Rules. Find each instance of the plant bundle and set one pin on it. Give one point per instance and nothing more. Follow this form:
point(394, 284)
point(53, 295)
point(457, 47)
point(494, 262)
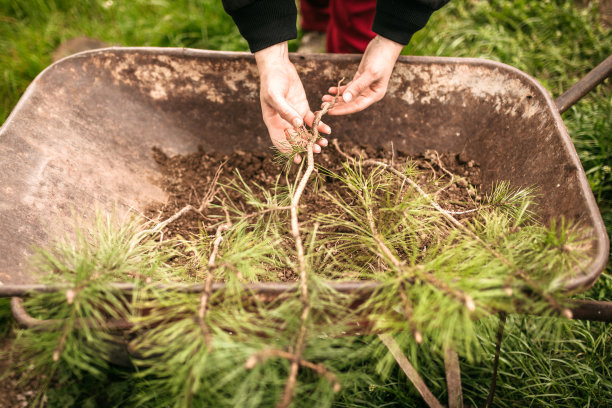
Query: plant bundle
point(431, 273)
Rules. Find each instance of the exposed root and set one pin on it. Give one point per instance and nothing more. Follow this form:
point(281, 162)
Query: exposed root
point(208, 198)
point(210, 194)
point(208, 284)
point(296, 354)
point(433, 153)
point(157, 228)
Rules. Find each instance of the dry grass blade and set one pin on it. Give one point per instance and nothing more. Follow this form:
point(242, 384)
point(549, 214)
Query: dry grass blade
point(409, 370)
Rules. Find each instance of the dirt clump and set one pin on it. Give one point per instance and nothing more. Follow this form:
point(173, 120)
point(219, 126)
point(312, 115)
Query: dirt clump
point(454, 179)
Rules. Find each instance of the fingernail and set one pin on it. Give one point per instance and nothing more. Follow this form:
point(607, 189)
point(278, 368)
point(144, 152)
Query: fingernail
point(347, 96)
point(323, 142)
point(326, 129)
point(316, 149)
point(297, 122)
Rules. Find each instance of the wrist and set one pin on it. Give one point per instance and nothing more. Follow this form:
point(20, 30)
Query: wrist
point(390, 47)
point(273, 55)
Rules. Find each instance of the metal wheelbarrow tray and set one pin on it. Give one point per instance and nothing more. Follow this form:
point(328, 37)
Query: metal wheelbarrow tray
point(81, 136)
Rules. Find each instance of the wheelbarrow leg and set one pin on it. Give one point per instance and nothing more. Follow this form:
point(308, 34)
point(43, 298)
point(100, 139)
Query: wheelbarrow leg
point(593, 310)
point(453, 378)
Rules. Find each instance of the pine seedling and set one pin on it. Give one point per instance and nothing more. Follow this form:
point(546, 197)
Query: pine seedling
point(439, 272)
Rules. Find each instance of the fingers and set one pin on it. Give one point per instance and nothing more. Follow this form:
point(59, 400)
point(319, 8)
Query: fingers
point(297, 159)
point(334, 89)
point(358, 104)
point(356, 96)
point(323, 128)
point(284, 136)
point(355, 88)
point(285, 110)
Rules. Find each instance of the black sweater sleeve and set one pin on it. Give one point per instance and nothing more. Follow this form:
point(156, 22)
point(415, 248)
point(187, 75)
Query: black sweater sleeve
point(263, 22)
point(267, 22)
point(398, 20)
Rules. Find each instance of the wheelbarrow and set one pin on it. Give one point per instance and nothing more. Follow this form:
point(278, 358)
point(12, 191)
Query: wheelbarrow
point(80, 138)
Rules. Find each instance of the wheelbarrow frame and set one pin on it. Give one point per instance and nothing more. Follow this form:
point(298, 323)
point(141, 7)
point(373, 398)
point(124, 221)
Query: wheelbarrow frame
point(151, 77)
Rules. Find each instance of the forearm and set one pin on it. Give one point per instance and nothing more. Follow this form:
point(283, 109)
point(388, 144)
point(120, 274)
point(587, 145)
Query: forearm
point(263, 23)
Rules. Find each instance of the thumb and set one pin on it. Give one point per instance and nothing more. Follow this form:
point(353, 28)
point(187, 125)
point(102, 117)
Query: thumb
point(286, 111)
point(355, 88)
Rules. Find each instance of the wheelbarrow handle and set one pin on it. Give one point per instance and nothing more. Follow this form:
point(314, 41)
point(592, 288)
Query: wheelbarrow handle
point(584, 86)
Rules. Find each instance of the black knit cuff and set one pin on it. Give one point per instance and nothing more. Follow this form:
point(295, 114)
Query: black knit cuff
point(266, 22)
point(399, 20)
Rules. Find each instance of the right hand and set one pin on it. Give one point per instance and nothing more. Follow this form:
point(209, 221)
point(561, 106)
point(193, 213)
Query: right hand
point(283, 100)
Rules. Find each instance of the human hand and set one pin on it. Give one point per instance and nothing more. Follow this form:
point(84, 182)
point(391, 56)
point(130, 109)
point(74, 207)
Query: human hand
point(370, 82)
point(283, 100)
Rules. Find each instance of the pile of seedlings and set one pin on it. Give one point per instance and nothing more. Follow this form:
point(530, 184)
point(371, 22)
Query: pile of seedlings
point(372, 247)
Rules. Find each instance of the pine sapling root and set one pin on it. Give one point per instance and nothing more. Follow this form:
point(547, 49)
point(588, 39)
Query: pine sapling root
point(208, 198)
point(295, 356)
point(210, 194)
point(302, 267)
point(208, 284)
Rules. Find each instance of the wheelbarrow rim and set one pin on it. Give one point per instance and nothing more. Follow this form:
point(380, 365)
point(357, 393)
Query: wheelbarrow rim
point(578, 283)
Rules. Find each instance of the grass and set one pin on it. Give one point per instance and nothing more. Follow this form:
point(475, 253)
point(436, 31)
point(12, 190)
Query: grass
point(554, 41)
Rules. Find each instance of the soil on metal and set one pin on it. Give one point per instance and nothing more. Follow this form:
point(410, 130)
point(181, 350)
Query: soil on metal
point(187, 179)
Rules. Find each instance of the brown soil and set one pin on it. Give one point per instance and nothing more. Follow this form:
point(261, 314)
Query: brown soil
point(13, 391)
point(187, 179)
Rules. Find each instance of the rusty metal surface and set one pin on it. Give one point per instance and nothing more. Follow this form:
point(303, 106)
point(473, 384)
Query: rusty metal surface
point(361, 288)
point(23, 318)
point(81, 136)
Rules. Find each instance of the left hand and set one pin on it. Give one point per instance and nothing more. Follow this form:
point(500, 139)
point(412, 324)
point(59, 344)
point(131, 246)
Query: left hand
point(370, 83)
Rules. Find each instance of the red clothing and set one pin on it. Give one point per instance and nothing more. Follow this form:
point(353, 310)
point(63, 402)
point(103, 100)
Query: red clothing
point(314, 15)
point(264, 23)
point(348, 24)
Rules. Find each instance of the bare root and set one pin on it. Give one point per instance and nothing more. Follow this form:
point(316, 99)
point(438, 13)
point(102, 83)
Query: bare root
point(208, 284)
point(296, 353)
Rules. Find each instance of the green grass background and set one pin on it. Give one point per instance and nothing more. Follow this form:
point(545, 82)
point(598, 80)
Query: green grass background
point(557, 42)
